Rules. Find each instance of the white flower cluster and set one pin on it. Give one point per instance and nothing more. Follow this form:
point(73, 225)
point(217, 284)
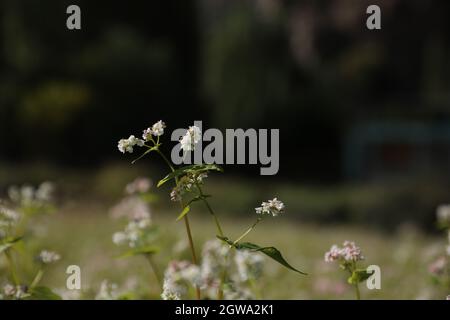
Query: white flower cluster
point(126, 145)
point(217, 260)
point(134, 234)
point(8, 219)
point(156, 130)
point(14, 292)
point(191, 138)
point(139, 185)
point(272, 207)
point(178, 277)
point(47, 257)
point(23, 200)
point(28, 195)
point(185, 184)
point(132, 205)
point(249, 265)
point(349, 252)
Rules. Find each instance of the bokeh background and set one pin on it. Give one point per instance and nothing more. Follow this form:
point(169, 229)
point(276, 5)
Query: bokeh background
point(364, 119)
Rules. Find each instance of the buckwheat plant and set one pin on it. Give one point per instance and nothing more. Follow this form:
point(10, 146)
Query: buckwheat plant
point(140, 234)
point(16, 212)
point(348, 257)
point(188, 186)
point(236, 273)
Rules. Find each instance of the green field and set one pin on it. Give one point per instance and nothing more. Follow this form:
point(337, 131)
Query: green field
point(82, 234)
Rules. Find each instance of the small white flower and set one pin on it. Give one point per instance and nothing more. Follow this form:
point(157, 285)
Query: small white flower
point(334, 254)
point(178, 276)
point(126, 145)
point(171, 291)
point(27, 194)
point(191, 138)
point(9, 290)
point(14, 292)
point(14, 193)
point(144, 223)
point(351, 252)
point(139, 185)
point(44, 192)
point(272, 207)
point(47, 257)
point(443, 214)
point(175, 194)
point(8, 215)
point(191, 274)
point(119, 238)
point(249, 264)
point(132, 207)
point(156, 130)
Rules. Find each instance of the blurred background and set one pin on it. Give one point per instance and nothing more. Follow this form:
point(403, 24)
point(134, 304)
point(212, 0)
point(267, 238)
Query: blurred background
point(364, 116)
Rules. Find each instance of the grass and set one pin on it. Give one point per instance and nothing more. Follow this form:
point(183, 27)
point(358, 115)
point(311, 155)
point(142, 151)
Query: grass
point(82, 234)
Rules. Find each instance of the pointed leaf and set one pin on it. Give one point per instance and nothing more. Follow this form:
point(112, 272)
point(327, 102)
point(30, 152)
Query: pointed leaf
point(184, 212)
point(187, 208)
point(271, 252)
point(275, 254)
point(358, 276)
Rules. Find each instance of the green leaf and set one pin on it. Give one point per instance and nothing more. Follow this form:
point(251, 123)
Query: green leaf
point(359, 275)
point(271, 252)
point(137, 251)
point(195, 168)
point(276, 255)
point(187, 208)
point(42, 293)
point(8, 243)
point(184, 212)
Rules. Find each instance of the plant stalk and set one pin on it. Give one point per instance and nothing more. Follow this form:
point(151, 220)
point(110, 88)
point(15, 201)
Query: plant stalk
point(186, 223)
point(155, 269)
point(247, 232)
point(12, 269)
point(37, 279)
